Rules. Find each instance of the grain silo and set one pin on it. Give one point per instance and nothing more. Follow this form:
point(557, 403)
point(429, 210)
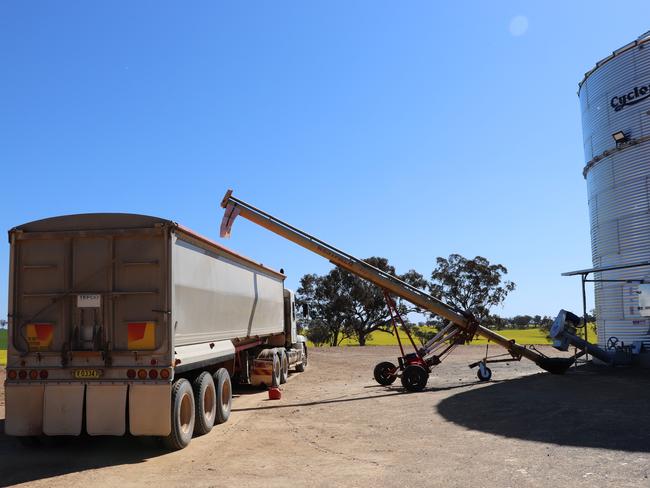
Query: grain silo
point(615, 104)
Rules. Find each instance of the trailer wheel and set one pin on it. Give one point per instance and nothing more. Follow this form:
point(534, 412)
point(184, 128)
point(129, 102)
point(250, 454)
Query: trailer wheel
point(206, 403)
point(224, 395)
point(300, 367)
point(183, 416)
point(275, 374)
point(414, 377)
point(284, 366)
point(484, 373)
point(384, 373)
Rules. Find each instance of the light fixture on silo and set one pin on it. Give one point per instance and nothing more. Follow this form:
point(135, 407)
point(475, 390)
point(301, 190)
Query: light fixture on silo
point(620, 137)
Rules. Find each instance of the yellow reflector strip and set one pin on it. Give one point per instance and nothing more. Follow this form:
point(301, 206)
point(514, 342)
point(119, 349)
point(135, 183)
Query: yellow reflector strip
point(39, 336)
point(142, 336)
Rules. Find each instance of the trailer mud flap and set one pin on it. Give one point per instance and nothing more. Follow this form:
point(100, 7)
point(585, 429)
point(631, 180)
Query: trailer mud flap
point(24, 410)
point(63, 409)
point(106, 409)
point(150, 409)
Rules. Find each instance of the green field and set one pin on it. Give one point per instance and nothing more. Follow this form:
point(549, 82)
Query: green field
point(3, 347)
point(522, 336)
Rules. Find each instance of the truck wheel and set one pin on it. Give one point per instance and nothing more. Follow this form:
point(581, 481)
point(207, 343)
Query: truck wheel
point(206, 403)
point(414, 377)
point(275, 375)
point(183, 415)
point(384, 373)
point(284, 366)
point(300, 367)
point(224, 395)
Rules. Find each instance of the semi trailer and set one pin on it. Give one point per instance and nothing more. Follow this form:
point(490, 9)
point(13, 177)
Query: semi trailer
point(123, 322)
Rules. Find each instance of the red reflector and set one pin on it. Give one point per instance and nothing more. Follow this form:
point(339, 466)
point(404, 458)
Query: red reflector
point(164, 374)
point(43, 374)
point(23, 374)
point(153, 374)
point(154, 361)
point(11, 374)
point(130, 374)
point(142, 374)
point(33, 374)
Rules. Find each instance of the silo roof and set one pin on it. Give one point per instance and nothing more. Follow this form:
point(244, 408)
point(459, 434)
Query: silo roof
point(642, 39)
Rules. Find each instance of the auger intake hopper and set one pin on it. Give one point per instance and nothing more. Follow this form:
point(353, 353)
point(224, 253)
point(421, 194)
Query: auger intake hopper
point(555, 365)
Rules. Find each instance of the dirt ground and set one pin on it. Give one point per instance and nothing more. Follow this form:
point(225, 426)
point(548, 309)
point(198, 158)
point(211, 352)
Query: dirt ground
point(334, 426)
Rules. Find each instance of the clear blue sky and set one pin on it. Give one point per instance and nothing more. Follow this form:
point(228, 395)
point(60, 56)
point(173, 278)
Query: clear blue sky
point(403, 129)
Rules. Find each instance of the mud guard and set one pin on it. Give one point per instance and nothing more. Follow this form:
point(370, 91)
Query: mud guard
point(63, 409)
point(106, 409)
point(150, 409)
point(24, 410)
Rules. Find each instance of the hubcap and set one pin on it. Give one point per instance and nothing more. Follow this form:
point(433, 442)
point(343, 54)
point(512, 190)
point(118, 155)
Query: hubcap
point(225, 395)
point(208, 403)
point(186, 413)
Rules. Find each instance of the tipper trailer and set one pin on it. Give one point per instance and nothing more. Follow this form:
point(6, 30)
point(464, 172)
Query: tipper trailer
point(129, 322)
point(414, 368)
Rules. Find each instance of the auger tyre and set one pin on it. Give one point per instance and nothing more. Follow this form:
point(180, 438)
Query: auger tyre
point(384, 373)
point(414, 378)
point(484, 373)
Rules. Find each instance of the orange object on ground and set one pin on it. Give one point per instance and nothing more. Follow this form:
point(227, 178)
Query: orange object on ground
point(275, 393)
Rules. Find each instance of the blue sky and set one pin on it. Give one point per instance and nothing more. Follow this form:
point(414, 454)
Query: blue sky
point(402, 129)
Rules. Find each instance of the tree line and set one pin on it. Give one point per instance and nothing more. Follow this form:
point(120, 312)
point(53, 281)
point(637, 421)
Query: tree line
point(340, 305)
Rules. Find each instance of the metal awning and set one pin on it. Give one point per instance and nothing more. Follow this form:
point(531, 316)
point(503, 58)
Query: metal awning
point(605, 268)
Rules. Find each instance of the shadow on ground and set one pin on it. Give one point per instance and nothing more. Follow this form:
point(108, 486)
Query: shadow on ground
point(61, 455)
point(47, 457)
point(386, 391)
point(589, 407)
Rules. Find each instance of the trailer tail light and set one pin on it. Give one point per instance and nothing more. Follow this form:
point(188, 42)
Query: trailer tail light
point(153, 374)
point(130, 374)
point(33, 374)
point(153, 361)
point(22, 374)
point(11, 374)
point(164, 374)
point(44, 374)
point(142, 374)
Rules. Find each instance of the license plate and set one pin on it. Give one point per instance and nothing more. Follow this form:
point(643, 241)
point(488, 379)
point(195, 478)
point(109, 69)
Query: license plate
point(87, 374)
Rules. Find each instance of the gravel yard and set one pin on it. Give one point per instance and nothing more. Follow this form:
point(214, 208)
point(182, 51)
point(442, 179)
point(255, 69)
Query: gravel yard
point(334, 426)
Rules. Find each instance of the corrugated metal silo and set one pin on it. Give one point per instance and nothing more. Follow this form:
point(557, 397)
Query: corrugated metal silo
point(615, 98)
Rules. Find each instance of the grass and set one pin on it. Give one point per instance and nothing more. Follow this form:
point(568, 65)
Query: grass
point(523, 336)
point(3, 347)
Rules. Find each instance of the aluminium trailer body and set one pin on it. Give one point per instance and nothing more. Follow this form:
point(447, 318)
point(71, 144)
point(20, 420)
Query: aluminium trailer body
point(109, 312)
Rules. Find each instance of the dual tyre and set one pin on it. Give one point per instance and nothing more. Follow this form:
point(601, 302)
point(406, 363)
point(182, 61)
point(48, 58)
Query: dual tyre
point(196, 407)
